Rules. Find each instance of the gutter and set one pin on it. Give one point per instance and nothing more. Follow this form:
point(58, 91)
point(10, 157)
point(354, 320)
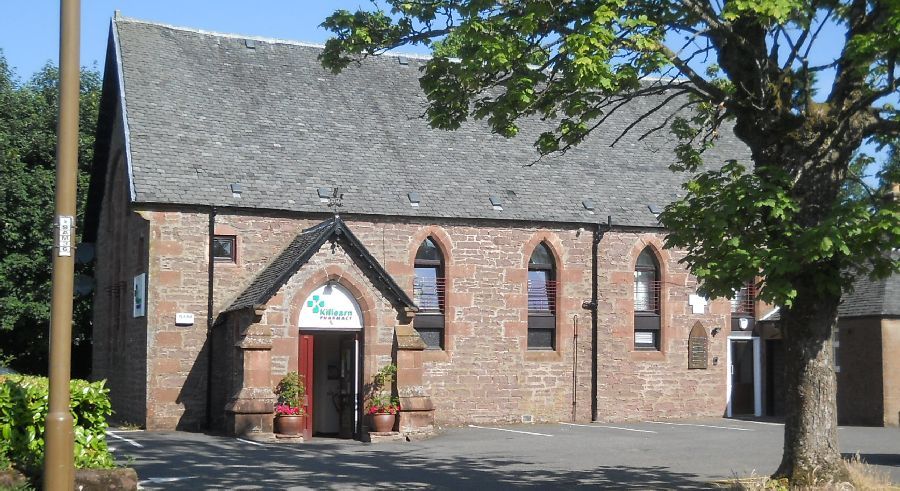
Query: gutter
point(599, 231)
point(210, 290)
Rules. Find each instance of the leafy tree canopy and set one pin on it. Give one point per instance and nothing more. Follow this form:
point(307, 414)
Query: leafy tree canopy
point(28, 120)
point(750, 64)
point(796, 213)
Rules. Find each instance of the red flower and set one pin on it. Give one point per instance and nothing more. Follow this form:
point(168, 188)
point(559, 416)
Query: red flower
point(285, 410)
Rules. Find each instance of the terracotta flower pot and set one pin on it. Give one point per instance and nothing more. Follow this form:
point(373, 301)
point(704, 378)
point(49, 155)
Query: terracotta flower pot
point(383, 422)
point(289, 424)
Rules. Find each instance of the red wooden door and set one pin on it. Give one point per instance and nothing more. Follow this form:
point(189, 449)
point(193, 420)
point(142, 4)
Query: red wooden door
point(305, 363)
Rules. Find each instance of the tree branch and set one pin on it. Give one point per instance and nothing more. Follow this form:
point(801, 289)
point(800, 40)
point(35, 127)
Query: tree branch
point(710, 90)
point(882, 127)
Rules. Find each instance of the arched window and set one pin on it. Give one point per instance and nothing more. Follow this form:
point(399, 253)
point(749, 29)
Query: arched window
point(429, 293)
point(647, 286)
point(743, 308)
point(542, 287)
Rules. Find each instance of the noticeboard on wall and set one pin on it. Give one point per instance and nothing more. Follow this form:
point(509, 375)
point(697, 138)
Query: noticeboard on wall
point(698, 347)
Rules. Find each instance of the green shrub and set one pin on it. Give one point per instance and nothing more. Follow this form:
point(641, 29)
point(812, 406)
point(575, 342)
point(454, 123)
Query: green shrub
point(23, 410)
point(291, 390)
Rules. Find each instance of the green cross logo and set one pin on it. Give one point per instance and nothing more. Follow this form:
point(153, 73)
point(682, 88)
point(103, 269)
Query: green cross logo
point(315, 303)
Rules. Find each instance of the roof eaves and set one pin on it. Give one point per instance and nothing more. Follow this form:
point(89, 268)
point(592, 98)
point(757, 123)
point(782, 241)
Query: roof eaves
point(310, 250)
point(342, 230)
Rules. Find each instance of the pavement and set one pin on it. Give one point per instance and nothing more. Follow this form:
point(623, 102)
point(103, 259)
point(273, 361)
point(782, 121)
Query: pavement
point(645, 455)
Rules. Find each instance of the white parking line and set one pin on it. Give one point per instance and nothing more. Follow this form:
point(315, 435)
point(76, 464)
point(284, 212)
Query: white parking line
point(250, 442)
point(758, 422)
point(698, 425)
point(126, 440)
point(511, 431)
point(160, 480)
point(609, 427)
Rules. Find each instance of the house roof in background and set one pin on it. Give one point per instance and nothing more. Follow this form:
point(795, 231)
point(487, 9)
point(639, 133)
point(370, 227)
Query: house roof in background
point(873, 297)
point(869, 298)
point(207, 110)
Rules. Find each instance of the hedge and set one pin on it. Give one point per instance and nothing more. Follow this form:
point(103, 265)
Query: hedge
point(24, 404)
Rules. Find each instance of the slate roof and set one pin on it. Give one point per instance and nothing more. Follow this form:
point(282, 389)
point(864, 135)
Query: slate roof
point(267, 283)
point(206, 110)
point(873, 297)
point(869, 298)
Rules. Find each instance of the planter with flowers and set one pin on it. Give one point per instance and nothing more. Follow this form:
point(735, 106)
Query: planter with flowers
point(290, 418)
point(381, 407)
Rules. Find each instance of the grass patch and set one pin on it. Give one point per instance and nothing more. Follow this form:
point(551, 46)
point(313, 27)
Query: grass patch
point(862, 477)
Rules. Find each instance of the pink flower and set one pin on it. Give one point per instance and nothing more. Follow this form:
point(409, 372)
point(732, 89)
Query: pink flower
point(285, 410)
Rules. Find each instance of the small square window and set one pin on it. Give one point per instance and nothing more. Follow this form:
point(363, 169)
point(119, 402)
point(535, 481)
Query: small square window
point(224, 247)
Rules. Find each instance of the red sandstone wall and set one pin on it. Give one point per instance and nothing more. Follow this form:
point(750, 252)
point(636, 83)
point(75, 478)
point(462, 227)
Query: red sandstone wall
point(890, 335)
point(486, 373)
point(119, 339)
point(860, 390)
point(641, 385)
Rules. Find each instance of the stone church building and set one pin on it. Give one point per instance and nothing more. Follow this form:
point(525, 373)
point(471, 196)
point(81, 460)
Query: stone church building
point(255, 214)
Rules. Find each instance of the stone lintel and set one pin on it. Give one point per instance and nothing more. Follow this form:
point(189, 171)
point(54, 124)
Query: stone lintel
point(255, 343)
point(259, 310)
point(256, 337)
point(408, 338)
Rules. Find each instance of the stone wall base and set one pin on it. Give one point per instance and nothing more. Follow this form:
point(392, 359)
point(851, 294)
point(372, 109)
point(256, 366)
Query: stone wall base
point(417, 417)
point(250, 412)
point(248, 425)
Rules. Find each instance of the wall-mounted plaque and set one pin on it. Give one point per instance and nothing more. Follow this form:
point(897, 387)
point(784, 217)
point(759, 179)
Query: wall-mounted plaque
point(698, 347)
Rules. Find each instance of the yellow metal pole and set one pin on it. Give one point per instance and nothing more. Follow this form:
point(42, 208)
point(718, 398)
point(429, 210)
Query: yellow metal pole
point(59, 437)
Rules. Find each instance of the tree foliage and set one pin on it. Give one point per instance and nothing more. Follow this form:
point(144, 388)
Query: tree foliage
point(28, 121)
point(756, 74)
point(797, 213)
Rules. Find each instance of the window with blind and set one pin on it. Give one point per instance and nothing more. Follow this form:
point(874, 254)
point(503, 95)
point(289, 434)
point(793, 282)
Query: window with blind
point(647, 288)
point(542, 289)
point(429, 294)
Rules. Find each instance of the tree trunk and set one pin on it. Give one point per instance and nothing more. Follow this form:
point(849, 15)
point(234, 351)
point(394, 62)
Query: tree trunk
point(811, 453)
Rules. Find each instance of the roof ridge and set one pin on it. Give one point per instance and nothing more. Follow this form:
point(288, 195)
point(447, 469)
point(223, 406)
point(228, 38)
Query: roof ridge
point(264, 39)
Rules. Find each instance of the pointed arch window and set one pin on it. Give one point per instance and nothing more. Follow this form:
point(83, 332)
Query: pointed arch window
point(542, 288)
point(429, 293)
point(647, 288)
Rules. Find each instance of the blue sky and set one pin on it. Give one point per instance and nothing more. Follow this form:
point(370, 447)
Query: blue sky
point(29, 30)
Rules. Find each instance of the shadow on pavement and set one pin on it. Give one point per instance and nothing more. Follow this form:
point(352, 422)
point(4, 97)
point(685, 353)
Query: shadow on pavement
point(885, 459)
point(216, 462)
